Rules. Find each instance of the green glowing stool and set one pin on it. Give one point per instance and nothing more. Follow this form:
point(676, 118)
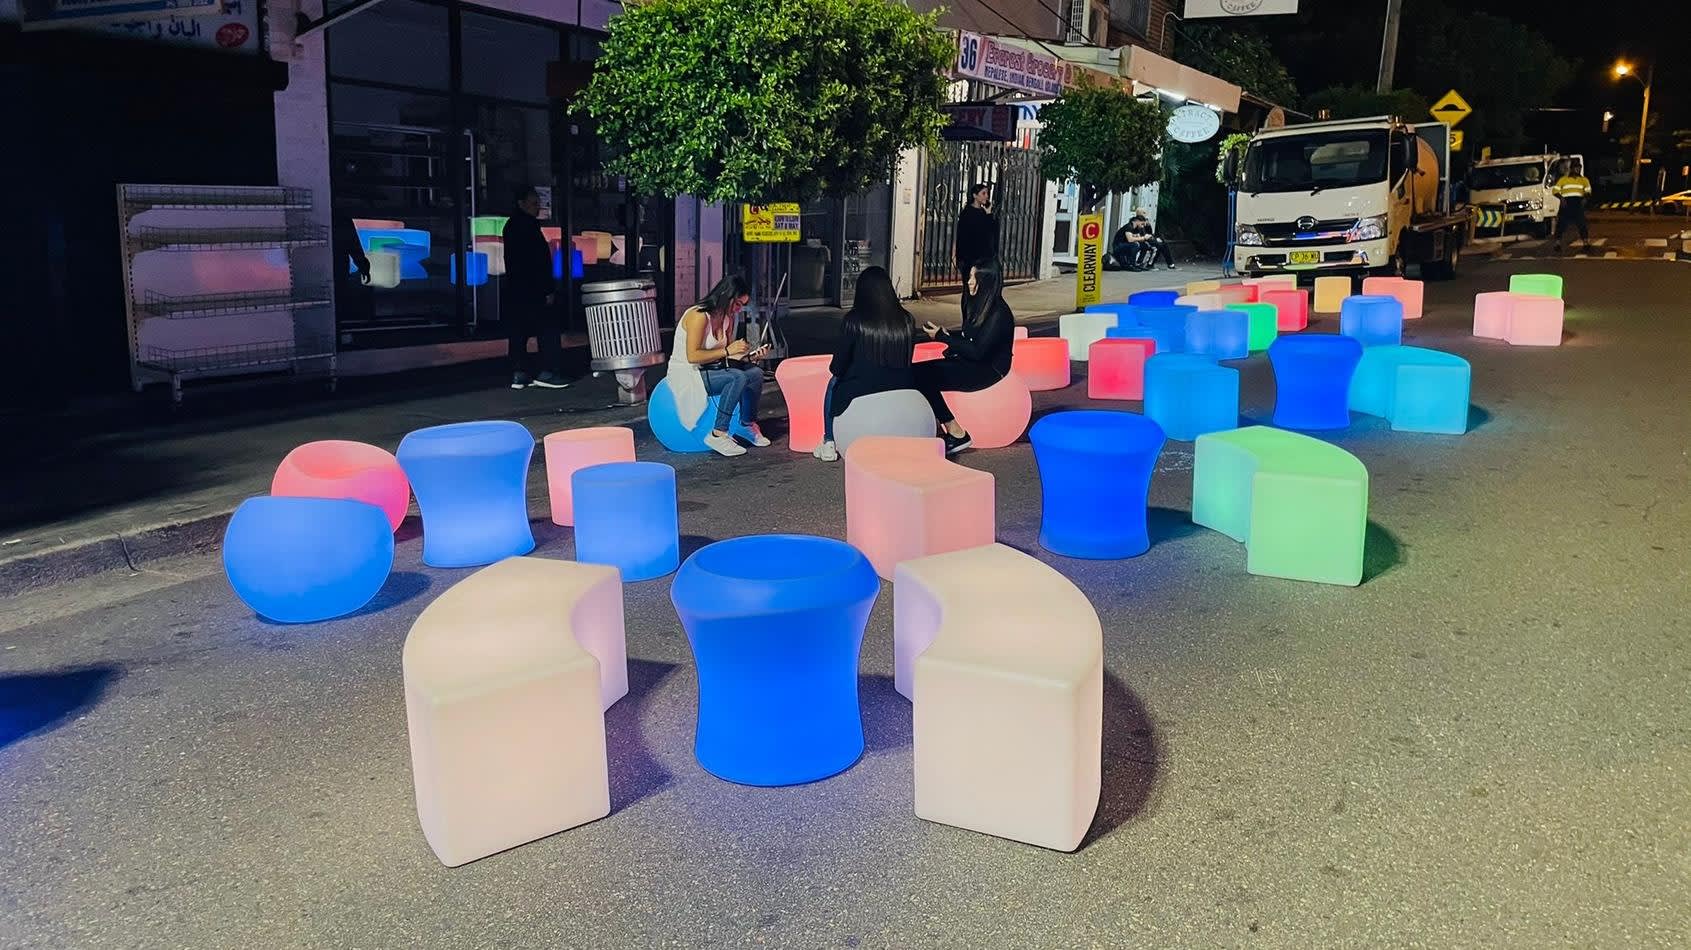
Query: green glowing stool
point(1265, 323)
point(1538, 285)
point(487, 226)
point(1300, 505)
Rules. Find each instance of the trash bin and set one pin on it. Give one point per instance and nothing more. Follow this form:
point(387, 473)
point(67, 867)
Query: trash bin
point(622, 333)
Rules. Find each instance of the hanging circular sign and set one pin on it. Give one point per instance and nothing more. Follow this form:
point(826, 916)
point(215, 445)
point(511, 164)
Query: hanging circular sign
point(1193, 123)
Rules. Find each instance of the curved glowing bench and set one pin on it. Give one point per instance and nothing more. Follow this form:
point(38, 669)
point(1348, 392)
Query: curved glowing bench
point(471, 483)
point(1373, 319)
point(1536, 285)
point(995, 416)
point(804, 385)
point(1094, 478)
point(627, 517)
point(507, 676)
point(1041, 362)
point(1300, 505)
point(1291, 307)
point(1263, 321)
point(675, 435)
point(1331, 293)
point(904, 500)
point(1219, 334)
point(572, 450)
point(336, 468)
point(1116, 369)
point(1081, 330)
point(775, 623)
point(1003, 660)
point(1154, 298)
point(1312, 380)
point(1189, 395)
point(1408, 292)
point(301, 560)
point(896, 412)
point(1418, 389)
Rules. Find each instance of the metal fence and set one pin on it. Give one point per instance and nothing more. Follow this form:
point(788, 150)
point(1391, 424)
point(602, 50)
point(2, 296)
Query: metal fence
point(1018, 201)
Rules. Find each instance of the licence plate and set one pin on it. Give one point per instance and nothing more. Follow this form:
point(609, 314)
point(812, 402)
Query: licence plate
point(1304, 257)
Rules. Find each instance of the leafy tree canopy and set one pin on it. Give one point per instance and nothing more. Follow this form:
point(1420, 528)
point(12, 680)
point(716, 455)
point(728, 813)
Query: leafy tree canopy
point(765, 100)
point(1239, 55)
point(1501, 67)
point(1359, 102)
point(1103, 138)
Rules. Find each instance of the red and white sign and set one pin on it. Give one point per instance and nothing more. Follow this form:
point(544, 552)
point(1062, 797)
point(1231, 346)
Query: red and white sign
point(993, 61)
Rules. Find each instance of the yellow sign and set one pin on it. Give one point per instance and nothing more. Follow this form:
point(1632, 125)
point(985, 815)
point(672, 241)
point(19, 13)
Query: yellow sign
point(770, 224)
point(1452, 109)
point(1456, 139)
point(1089, 273)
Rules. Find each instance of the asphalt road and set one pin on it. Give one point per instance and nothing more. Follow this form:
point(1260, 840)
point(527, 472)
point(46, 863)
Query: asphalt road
point(1487, 744)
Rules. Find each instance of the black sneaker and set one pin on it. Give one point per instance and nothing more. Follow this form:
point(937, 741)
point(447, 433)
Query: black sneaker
point(551, 380)
point(956, 443)
point(520, 381)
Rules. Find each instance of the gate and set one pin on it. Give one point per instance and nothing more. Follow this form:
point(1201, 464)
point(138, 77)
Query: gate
point(1018, 202)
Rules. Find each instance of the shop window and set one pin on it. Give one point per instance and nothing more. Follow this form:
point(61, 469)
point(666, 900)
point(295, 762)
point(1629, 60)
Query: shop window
point(398, 42)
point(507, 59)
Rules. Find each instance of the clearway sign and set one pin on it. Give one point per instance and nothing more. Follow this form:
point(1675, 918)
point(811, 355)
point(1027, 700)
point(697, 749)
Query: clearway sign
point(1196, 9)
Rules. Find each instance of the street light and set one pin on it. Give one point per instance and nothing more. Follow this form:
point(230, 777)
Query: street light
point(1624, 69)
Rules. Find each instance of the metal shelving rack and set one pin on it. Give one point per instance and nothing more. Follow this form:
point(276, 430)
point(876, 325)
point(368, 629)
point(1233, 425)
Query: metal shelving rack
point(203, 328)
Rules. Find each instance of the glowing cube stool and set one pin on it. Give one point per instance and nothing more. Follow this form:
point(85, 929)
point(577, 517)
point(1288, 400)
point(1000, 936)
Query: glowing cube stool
point(804, 384)
point(676, 435)
point(1019, 333)
point(1154, 298)
point(1083, 329)
point(1236, 293)
point(626, 517)
point(1213, 301)
point(495, 250)
point(1534, 321)
point(385, 269)
point(507, 677)
point(1219, 334)
point(931, 350)
point(1273, 282)
point(477, 268)
point(1374, 320)
point(1189, 395)
point(1300, 505)
point(896, 412)
point(572, 450)
point(1041, 362)
point(1202, 287)
point(1094, 478)
point(471, 483)
point(1537, 285)
point(1166, 325)
point(776, 623)
point(413, 245)
point(301, 560)
point(995, 416)
point(1264, 322)
point(1291, 307)
point(1312, 380)
point(1003, 661)
point(1408, 292)
point(335, 468)
point(1491, 313)
point(905, 500)
point(1331, 292)
point(1117, 368)
point(1418, 389)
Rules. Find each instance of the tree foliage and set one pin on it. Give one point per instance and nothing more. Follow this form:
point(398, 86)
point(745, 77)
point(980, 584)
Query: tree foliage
point(1359, 102)
point(1239, 55)
point(1103, 138)
point(1233, 146)
point(763, 100)
point(1503, 69)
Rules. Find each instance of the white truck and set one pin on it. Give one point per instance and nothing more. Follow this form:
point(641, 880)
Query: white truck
point(1369, 196)
point(1516, 194)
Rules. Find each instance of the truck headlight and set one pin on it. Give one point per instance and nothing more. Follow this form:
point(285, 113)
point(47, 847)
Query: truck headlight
point(1367, 229)
point(1248, 235)
point(1535, 204)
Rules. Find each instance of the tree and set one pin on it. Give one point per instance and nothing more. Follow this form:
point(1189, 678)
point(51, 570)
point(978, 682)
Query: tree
point(764, 100)
point(1502, 68)
point(1358, 102)
point(1240, 56)
point(1101, 137)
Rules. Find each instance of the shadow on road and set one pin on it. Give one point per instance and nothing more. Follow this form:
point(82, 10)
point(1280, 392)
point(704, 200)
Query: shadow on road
point(635, 773)
point(886, 714)
point(1380, 552)
point(1477, 417)
point(1132, 760)
point(1168, 524)
point(32, 703)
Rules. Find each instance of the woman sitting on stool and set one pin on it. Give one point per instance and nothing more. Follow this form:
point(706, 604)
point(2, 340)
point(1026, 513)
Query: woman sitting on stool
point(872, 355)
point(977, 355)
point(708, 361)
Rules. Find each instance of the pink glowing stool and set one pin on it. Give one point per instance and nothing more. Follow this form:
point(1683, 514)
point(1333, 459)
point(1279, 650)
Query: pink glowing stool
point(338, 469)
point(804, 385)
point(1042, 362)
point(1534, 321)
point(572, 450)
point(905, 501)
point(1237, 293)
point(1117, 368)
point(1491, 313)
point(995, 416)
point(1291, 305)
point(1021, 333)
point(1408, 292)
point(931, 350)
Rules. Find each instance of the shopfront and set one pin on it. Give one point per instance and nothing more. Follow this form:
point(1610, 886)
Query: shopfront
point(838, 239)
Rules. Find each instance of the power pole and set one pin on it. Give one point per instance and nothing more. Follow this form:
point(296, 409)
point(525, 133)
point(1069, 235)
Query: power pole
point(1643, 129)
point(1388, 46)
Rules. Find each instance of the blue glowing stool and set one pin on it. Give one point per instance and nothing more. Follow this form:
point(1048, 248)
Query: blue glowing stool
point(1123, 312)
point(1154, 298)
point(625, 516)
point(413, 245)
point(1190, 395)
point(1219, 334)
point(1374, 319)
point(1094, 478)
point(1167, 325)
point(471, 483)
point(666, 423)
point(1312, 380)
point(299, 560)
point(478, 267)
point(776, 623)
point(1418, 389)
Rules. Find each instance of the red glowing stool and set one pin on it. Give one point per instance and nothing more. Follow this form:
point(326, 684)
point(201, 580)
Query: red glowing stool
point(572, 450)
point(1117, 368)
point(931, 350)
point(995, 416)
point(1042, 362)
point(1292, 305)
point(1237, 293)
point(804, 385)
point(336, 468)
point(1408, 292)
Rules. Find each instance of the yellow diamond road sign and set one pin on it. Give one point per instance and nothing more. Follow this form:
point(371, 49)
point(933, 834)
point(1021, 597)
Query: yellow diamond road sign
point(1452, 109)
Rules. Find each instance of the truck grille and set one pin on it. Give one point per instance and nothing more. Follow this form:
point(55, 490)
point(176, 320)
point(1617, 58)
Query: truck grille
point(1287, 234)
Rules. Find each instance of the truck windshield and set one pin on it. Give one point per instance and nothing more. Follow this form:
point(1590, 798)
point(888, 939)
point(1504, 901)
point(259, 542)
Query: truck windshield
point(1487, 177)
point(1317, 161)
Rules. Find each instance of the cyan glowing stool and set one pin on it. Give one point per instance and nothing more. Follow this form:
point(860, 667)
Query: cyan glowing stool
point(678, 436)
point(1219, 334)
point(1042, 362)
point(1189, 395)
point(1537, 285)
point(471, 483)
point(1417, 389)
point(1117, 368)
point(1082, 329)
point(776, 623)
point(1312, 380)
point(1373, 320)
point(335, 468)
point(300, 560)
point(1291, 304)
point(626, 517)
point(1300, 505)
point(1264, 321)
point(1154, 298)
point(1094, 477)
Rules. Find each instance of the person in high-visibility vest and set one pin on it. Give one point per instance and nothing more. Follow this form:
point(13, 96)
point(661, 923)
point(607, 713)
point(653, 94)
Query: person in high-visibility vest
point(1572, 188)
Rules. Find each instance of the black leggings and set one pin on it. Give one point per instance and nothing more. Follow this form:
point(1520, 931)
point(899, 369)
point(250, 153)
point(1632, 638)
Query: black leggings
point(936, 377)
point(1572, 215)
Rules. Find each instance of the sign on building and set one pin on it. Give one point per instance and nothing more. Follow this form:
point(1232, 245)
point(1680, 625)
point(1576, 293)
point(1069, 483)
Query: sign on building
point(991, 60)
point(42, 14)
point(1193, 123)
point(1089, 262)
point(1196, 9)
point(770, 224)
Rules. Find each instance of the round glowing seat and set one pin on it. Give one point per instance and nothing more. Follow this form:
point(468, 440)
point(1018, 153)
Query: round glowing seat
point(300, 560)
point(902, 412)
point(335, 468)
point(1312, 380)
point(572, 450)
point(626, 517)
point(995, 416)
point(1291, 305)
point(471, 482)
point(1374, 320)
point(1117, 368)
point(1095, 476)
point(804, 385)
point(1041, 362)
point(675, 434)
point(1219, 334)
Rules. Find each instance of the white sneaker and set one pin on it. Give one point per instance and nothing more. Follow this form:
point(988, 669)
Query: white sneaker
point(758, 438)
point(724, 445)
point(826, 452)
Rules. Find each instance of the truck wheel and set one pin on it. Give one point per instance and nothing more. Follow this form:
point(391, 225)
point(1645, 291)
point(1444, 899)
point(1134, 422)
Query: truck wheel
point(1444, 269)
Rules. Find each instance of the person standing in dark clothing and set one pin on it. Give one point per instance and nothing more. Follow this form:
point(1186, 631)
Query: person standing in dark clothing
point(977, 235)
point(352, 297)
point(977, 355)
point(531, 296)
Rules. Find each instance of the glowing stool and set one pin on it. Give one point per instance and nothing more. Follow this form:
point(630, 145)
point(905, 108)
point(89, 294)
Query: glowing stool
point(626, 517)
point(1189, 395)
point(1273, 282)
point(1264, 323)
point(1330, 293)
point(1117, 368)
point(1290, 306)
point(1536, 285)
point(476, 267)
point(1019, 333)
point(1202, 287)
point(775, 623)
point(471, 483)
point(897, 412)
point(495, 251)
point(1312, 380)
point(1300, 505)
point(1535, 321)
point(1417, 389)
point(1124, 312)
point(905, 500)
point(413, 245)
point(1166, 325)
point(1003, 661)
point(804, 385)
point(1214, 301)
point(572, 450)
point(385, 269)
point(1373, 320)
point(339, 469)
point(300, 560)
point(1095, 476)
point(995, 416)
point(1236, 293)
point(1219, 334)
point(507, 677)
point(1154, 298)
point(677, 436)
point(1041, 362)
point(1083, 329)
point(1408, 292)
point(930, 350)
point(1491, 313)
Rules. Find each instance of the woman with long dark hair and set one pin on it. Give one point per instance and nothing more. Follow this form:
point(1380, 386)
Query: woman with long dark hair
point(708, 361)
point(873, 352)
point(977, 355)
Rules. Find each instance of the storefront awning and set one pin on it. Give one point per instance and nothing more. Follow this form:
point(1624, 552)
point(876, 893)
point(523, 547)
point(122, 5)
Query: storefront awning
point(1043, 70)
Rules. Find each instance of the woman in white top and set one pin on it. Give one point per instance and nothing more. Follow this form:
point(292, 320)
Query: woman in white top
point(709, 362)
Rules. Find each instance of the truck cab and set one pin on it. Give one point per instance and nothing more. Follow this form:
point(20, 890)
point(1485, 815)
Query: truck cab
point(1516, 194)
